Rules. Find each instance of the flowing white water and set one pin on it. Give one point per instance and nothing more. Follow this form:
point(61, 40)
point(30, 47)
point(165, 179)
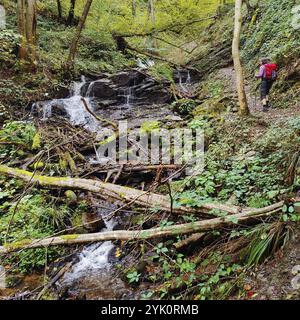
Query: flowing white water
point(185, 85)
point(73, 106)
point(93, 258)
point(145, 64)
point(128, 96)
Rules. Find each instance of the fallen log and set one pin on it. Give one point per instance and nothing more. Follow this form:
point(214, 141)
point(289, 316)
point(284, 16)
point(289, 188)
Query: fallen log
point(124, 235)
point(191, 239)
point(112, 192)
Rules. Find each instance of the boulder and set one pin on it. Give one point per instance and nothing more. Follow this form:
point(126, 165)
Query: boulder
point(127, 78)
point(92, 222)
point(101, 89)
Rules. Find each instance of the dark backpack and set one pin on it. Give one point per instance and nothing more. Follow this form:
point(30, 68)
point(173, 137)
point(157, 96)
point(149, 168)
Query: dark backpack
point(271, 71)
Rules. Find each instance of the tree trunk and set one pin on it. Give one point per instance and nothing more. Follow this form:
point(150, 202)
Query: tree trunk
point(59, 10)
point(31, 24)
point(133, 6)
point(74, 44)
point(22, 29)
point(112, 192)
point(153, 21)
point(70, 19)
point(244, 109)
point(181, 229)
point(27, 24)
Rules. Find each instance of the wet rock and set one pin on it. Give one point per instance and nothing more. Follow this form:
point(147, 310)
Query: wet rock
point(127, 78)
point(61, 92)
point(101, 89)
point(92, 222)
point(44, 109)
point(71, 197)
point(113, 90)
point(96, 75)
point(104, 104)
point(154, 95)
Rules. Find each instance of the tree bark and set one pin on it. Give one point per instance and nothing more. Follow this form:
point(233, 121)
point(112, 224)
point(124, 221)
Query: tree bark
point(22, 29)
point(244, 109)
point(27, 24)
point(59, 10)
point(31, 24)
point(133, 6)
point(70, 19)
point(74, 44)
point(112, 192)
point(153, 21)
point(181, 229)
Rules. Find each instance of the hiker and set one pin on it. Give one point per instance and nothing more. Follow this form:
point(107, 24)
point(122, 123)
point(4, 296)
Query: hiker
point(267, 74)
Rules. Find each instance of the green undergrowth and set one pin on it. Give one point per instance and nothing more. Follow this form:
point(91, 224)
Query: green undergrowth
point(30, 218)
point(240, 169)
point(273, 35)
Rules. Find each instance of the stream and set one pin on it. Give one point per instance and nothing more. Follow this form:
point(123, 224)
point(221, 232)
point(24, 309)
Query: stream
point(130, 95)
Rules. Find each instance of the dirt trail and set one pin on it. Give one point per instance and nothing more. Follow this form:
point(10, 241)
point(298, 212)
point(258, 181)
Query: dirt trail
point(273, 279)
point(278, 278)
point(274, 114)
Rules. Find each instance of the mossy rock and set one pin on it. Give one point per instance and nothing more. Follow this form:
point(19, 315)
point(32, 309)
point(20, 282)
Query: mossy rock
point(184, 106)
point(148, 126)
point(212, 107)
point(71, 197)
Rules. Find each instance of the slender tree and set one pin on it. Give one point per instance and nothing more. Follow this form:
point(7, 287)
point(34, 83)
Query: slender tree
point(31, 24)
point(74, 43)
point(244, 109)
point(70, 19)
point(151, 12)
point(133, 6)
point(21, 27)
point(27, 24)
point(59, 9)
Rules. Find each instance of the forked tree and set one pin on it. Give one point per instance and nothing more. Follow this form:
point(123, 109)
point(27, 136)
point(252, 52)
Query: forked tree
point(27, 24)
point(74, 43)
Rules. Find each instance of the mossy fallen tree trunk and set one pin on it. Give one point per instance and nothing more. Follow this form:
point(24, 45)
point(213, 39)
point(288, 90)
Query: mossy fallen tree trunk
point(255, 215)
point(113, 192)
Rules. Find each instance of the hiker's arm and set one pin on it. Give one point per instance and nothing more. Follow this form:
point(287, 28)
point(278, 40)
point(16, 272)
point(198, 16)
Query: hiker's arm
point(261, 72)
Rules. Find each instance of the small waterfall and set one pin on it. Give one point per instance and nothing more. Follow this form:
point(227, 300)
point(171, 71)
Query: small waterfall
point(145, 64)
point(76, 91)
point(128, 96)
point(93, 258)
point(189, 79)
point(89, 90)
point(185, 83)
point(72, 106)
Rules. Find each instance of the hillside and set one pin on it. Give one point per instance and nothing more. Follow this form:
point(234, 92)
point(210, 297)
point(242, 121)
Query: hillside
point(76, 223)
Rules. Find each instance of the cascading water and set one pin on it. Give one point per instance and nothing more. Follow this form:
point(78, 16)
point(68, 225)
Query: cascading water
point(93, 276)
point(185, 82)
point(72, 106)
point(93, 258)
point(128, 96)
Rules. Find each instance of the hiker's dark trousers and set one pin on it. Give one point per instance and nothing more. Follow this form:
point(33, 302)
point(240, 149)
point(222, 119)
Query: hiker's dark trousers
point(265, 88)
